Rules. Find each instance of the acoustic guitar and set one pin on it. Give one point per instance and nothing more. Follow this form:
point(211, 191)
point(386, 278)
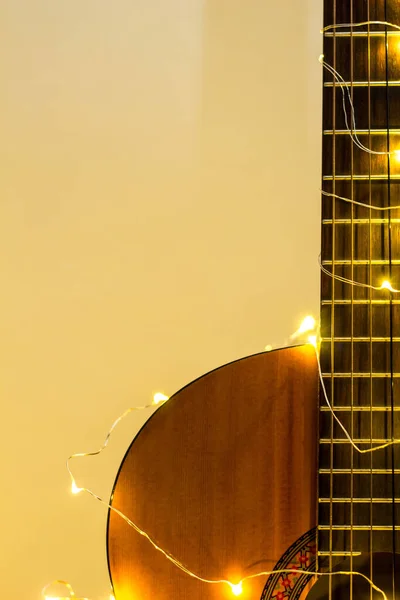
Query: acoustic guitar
point(247, 469)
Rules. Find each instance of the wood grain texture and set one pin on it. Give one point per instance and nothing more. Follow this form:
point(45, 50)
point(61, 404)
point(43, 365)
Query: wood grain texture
point(223, 476)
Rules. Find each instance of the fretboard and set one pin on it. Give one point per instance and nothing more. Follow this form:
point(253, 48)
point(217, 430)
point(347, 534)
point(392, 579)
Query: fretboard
point(359, 494)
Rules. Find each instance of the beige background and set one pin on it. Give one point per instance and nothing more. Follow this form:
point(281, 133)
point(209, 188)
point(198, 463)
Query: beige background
point(159, 217)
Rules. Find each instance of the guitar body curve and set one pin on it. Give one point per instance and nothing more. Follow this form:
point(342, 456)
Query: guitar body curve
point(223, 476)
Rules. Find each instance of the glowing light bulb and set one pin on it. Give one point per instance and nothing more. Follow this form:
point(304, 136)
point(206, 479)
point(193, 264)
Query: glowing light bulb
point(237, 588)
point(386, 285)
point(312, 339)
point(74, 488)
point(159, 397)
point(308, 324)
point(397, 155)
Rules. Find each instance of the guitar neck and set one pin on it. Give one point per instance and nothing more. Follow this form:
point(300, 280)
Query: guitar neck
point(359, 494)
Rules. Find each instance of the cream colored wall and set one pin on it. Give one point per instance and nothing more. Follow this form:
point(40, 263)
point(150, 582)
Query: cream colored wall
point(159, 217)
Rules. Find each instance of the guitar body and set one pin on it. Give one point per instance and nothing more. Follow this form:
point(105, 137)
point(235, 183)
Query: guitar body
point(223, 476)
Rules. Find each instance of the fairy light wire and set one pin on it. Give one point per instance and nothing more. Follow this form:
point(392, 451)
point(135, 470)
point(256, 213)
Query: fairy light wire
point(363, 204)
point(353, 129)
point(360, 24)
point(385, 285)
point(346, 91)
point(236, 588)
point(63, 583)
point(75, 489)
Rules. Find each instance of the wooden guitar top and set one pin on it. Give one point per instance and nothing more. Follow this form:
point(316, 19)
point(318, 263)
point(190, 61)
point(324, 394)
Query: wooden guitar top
point(223, 477)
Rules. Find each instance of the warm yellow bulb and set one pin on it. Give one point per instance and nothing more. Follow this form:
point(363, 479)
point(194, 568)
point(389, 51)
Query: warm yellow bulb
point(386, 285)
point(159, 397)
point(308, 324)
point(237, 588)
point(397, 155)
point(74, 488)
point(312, 339)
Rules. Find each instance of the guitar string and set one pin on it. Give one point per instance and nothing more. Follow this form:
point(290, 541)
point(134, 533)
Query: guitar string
point(371, 390)
point(351, 96)
point(332, 351)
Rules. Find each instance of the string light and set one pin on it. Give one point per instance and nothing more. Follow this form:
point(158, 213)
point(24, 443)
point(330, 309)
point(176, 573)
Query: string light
point(312, 339)
point(307, 324)
point(338, 421)
point(237, 589)
point(385, 285)
point(158, 398)
point(353, 129)
point(360, 24)
point(364, 205)
point(60, 582)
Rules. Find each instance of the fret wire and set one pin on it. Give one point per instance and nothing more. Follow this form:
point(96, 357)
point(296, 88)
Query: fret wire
point(361, 132)
point(346, 261)
point(359, 527)
point(356, 441)
point(358, 177)
point(360, 339)
point(361, 222)
point(358, 84)
point(376, 375)
point(357, 471)
point(361, 34)
point(358, 500)
point(374, 301)
point(360, 409)
point(336, 553)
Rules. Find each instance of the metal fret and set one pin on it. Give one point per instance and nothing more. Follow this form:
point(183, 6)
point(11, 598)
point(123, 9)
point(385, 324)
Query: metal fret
point(327, 553)
point(360, 34)
point(360, 339)
point(382, 177)
point(361, 375)
point(352, 84)
point(359, 221)
point(356, 441)
point(359, 500)
point(355, 471)
point(345, 261)
point(358, 301)
point(361, 132)
point(359, 527)
point(371, 409)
